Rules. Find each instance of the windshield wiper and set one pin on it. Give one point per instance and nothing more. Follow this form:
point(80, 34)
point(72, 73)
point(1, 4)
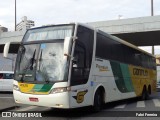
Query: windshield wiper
point(30, 66)
point(40, 60)
point(32, 60)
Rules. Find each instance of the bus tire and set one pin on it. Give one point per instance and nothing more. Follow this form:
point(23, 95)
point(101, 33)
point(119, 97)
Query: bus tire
point(149, 90)
point(97, 101)
point(145, 94)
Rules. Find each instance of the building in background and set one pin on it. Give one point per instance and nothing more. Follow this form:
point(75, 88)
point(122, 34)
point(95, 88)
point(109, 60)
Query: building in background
point(144, 31)
point(12, 36)
point(25, 24)
point(3, 29)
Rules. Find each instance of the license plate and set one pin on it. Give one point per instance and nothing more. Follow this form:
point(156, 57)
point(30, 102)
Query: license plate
point(33, 99)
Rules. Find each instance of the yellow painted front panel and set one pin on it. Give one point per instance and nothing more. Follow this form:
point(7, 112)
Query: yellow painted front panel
point(25, 87)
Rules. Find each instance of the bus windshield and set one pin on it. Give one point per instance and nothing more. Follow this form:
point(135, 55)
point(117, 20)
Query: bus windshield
point(42, 59)
point(40, 62)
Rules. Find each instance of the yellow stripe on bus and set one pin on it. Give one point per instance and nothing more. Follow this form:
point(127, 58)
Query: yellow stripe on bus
point(24, 87)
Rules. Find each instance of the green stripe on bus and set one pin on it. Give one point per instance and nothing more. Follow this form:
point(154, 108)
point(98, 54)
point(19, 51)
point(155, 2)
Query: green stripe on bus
point(127, 77)
point(42, 87)
point(37, 87)
point(122, 76)
point(46, 88)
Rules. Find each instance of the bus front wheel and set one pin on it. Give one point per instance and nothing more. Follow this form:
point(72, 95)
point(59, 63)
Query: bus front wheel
point(145, 94)
point(97, 101)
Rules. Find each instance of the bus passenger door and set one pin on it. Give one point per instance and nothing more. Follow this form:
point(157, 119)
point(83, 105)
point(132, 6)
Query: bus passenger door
point(80, 73)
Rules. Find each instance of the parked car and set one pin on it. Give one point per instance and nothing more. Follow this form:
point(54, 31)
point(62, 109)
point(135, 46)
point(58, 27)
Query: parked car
point(6, 80)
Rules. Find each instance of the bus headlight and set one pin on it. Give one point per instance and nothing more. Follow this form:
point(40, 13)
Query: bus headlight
point(60, 90)
point(15, 87)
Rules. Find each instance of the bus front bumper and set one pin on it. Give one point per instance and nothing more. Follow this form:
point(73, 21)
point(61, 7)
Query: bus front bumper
point(57, 100)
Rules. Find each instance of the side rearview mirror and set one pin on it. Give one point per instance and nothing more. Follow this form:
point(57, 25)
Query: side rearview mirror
point(6, 50)
point(10, 47)
point(67, 46)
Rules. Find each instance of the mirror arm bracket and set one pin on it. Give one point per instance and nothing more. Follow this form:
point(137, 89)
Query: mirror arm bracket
point(74, 38)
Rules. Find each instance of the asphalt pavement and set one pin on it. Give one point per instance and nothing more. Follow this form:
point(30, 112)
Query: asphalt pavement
point(119, 110)
point(6, 101)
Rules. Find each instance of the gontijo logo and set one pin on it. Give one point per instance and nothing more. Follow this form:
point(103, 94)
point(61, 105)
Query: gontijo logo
point(140, 72)
point(102, 68)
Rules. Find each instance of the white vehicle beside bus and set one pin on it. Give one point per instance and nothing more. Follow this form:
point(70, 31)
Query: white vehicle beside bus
point(74, 65)
point(6, 81)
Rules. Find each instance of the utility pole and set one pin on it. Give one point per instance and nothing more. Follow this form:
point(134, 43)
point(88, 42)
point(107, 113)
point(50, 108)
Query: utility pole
point(152, 14)
point(15, 15)
point(152, 8)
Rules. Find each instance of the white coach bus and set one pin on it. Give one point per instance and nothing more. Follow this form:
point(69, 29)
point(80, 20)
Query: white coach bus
point(73, 65)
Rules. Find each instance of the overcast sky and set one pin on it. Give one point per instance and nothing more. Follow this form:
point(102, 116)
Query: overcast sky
point(65, 11)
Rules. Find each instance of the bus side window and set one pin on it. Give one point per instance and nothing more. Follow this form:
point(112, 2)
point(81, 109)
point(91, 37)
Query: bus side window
point(79, 65)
